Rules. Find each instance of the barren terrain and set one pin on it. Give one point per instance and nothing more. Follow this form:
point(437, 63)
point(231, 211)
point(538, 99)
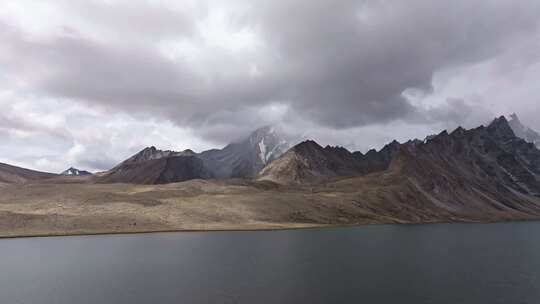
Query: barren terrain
point(67, 206)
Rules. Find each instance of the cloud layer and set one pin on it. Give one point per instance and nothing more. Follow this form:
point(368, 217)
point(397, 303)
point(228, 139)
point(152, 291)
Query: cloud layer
point(95, 80)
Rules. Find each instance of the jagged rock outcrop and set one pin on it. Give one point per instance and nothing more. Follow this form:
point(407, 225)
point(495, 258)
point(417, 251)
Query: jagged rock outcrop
point(374, 160)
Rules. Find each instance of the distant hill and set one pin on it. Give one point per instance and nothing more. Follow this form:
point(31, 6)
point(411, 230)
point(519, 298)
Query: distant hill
point(12, 174)
point(75, 172)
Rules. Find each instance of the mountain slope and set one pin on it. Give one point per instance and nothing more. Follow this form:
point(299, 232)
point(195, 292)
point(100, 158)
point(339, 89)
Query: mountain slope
point(374, 161)
point(153, 166)
point(482, 174)
point(12, 174)
point(246, 158)
point(487, 170)
point(308, 162)
point(487, 173)
point(152, 153)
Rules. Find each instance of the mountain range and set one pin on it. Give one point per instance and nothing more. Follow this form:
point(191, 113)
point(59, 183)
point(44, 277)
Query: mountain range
point(243, 159)
point(488, 173)
point(266, 155)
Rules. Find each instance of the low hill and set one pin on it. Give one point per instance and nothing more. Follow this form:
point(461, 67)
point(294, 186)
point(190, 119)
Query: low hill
point(13, 174)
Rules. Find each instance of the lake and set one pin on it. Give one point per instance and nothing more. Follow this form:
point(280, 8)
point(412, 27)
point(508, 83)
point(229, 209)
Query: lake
point(441, 263)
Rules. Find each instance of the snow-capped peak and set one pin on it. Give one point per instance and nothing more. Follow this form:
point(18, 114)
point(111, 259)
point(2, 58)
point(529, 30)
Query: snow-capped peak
point(269, 143)
point(75, 172)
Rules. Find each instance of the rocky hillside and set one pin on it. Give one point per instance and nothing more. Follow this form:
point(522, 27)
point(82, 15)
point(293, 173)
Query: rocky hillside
point(308, 162)
point(153, 166)
point(374, 161)
point(487, 171)
point(152, 153)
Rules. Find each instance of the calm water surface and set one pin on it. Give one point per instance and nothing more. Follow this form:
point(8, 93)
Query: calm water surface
point(447, 263)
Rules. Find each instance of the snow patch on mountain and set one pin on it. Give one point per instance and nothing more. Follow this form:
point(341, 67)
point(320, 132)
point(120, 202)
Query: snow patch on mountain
point(262, 151)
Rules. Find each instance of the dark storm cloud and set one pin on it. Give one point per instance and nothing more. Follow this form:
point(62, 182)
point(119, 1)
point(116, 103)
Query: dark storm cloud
point(352, 61)
point(133, 79)
point(458, 113)
point(338, 64)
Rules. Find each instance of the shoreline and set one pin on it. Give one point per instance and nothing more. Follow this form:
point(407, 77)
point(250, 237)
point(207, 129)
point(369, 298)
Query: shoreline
point(244, 229)
point(188, 230)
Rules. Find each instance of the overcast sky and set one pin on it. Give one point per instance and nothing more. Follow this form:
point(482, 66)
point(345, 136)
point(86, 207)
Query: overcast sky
point(88, 83)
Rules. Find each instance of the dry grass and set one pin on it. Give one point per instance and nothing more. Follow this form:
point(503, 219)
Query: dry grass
point(65, 208)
